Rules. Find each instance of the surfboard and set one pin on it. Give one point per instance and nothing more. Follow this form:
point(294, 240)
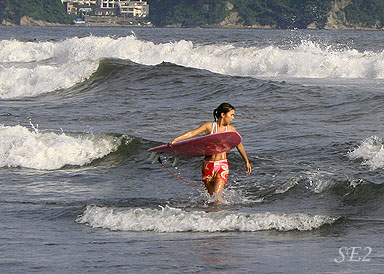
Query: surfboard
point(202, 146)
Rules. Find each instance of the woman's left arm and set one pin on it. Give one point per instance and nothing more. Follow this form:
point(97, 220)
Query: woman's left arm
point(243, 154)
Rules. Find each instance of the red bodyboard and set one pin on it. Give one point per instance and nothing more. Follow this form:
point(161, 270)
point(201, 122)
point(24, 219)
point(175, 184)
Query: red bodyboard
point(202, 146)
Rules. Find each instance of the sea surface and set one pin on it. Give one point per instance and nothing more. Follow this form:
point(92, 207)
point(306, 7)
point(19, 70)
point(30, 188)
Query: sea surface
point(81, 106)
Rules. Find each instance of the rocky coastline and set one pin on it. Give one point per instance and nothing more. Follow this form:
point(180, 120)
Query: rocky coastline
point(334, 22)
point(28, 21)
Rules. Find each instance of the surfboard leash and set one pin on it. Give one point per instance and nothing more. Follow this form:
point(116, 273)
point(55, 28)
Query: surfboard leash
point(170, 172)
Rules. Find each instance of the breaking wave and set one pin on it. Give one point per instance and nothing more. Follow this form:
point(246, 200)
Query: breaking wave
point(33, 68)
point(168, 219)
point(371, 151)
point(21, 147)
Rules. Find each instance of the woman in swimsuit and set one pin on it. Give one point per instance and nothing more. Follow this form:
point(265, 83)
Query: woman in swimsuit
point(215, 167)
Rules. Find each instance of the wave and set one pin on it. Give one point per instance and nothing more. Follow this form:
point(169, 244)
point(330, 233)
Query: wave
point(313, 181)
point(168, 219)
point(18, 82)
point(371, 151)
point(40, 67)
point(21, 147)
point(326, 184)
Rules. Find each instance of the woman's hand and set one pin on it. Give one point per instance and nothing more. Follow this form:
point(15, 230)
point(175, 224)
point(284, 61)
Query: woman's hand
point(171, 143)
point(249, 167)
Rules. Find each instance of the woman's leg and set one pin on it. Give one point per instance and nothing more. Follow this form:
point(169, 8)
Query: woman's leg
point(215, 179)
point(210, 186)
point(219, 186)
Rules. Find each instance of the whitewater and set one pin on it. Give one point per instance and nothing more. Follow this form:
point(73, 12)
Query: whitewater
point(28, 65)
point(21, 147)
point(80, 107)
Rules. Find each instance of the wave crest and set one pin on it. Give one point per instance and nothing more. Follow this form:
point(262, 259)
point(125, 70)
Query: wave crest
point(30, 62)
point(20, 147)
point(371, 150)
point(23, 82)
point(168, 219)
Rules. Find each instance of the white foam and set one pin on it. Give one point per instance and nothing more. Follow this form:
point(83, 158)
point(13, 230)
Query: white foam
point(16, 51)
point(75, 59)
point(229, 196)
point(319, 181)
point(168, 219)
point(20, 147)
point(22, 82)
point(371, 150)
point(289, 184)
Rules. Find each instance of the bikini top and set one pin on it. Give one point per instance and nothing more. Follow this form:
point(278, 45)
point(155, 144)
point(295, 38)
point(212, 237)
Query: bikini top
point(215, 127)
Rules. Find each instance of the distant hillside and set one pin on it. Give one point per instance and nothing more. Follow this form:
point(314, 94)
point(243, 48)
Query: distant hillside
point(269, 13)
point(365, 13)
point(283, 14)
point(12, 11)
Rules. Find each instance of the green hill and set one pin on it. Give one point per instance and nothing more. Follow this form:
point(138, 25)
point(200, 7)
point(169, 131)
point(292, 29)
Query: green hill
point(365, 13)
point(283, 14)
point(47, 10)
point(273, 13)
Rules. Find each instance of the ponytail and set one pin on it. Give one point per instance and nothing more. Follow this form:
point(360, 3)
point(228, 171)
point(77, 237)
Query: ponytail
point(215, 115)
point(223, 108)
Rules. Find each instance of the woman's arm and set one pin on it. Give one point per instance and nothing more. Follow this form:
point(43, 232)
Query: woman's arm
point(189, 134)
point(243, 154)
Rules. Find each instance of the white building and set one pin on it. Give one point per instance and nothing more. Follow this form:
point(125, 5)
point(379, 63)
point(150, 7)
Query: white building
point(126, 8)
point(71, 6)
point(81, 2)
point(133, 8)
point(108, 4)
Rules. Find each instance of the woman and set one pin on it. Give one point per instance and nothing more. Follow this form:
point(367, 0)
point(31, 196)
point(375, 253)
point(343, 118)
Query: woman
point(215, 167)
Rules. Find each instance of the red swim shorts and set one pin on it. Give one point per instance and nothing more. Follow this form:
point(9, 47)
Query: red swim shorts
point(215, 170)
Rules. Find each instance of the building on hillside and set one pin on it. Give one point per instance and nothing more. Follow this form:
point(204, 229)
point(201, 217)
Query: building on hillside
point(84, 9)
point(108, 4)
point(125, 8)
point(69, 7)
point(106, 11)
point(81, 2)
point(78, 6)
point(134, 8)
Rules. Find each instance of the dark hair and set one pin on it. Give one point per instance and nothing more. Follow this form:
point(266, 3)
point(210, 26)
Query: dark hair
point(223, 108)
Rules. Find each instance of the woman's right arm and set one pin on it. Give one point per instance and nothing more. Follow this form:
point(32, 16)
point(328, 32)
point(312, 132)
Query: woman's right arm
point(189, 134)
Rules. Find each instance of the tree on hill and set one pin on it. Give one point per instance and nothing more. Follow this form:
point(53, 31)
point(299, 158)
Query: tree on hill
point(283, 13)
point(46, 10)
point(187, 13)
point(365, 13)
point(278, 13)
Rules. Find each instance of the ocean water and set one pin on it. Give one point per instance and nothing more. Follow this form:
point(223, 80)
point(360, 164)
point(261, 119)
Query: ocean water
point(80, 107)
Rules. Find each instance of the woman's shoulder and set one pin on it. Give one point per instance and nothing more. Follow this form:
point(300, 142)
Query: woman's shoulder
point(208, 123)
point(207, 126)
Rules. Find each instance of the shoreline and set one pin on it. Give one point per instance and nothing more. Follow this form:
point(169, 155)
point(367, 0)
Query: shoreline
point(29, 22)
point(92, 25)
